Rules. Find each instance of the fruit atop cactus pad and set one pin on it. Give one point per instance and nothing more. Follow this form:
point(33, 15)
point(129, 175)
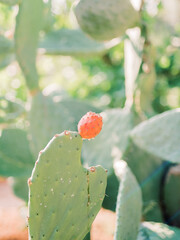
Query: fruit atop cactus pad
point(64, 197)
point(90, 125)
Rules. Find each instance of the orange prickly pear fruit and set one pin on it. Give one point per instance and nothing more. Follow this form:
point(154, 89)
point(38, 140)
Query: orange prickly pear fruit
point(90, 125)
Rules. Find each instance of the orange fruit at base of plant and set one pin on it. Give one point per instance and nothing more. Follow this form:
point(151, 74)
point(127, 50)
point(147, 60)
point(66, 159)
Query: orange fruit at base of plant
point(90, 125)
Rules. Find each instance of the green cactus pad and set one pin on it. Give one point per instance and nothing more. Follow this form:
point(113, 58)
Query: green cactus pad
point(6, 45)
point(112, 140)
point(15, 156)
point(10, 2)
point(64, 197)
point(28, 25)
point(158, 231)
point(50, 114)
point(6, 59)
point(20, 187)
point(129, 204)
point(73, 43)
point(172, 196)
point(160, 135)
point(104, 19)
point(148, 171)
point(10, 110)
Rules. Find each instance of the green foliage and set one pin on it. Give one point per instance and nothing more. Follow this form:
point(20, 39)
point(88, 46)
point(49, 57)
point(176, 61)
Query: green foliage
point(73, 42)
point(129, 204)
point(158, 231)
point(28, 25)
point(160, 136)
point(64, 196)
point(15, 156)
point(107, 20)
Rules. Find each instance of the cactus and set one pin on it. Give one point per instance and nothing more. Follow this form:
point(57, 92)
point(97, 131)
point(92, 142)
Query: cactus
point(15, 156)
point(73, 42)
point(27, 30)
point(164, 130)
point(172, 196)
point(64, 197)
point(20, 187)
point(117, 124)
point(158, 231)
point(104, 19)
point(10, 110)
point(148, 171)
point(50, 114)
point(111, 192)
point(129, 203)
point(6, 45)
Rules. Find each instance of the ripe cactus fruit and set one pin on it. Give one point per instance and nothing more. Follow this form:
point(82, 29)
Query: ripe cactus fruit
point(64, 196)
point(90, 125)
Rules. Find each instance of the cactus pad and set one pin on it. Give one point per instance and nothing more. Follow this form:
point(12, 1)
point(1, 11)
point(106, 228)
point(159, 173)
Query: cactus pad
point(129, 203)
point(64, 197)
point(158, 231)
point(28, 25)
point(104, 19)
point(148, 171)
point(15, 155)
point(50, 114)
point(73, 42)
point(160, 135)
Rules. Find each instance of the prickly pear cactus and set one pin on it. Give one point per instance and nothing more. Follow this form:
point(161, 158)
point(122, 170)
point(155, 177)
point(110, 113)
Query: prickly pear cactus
point(148, 171)
point(104, 19)
point(117, 123)
point(160, 135)
point(6, 45)
point(28, 25)
point(129, 203)
point(172, 196)
point(73, 42)
point(50, 114)
point(158, 231)
point(64, 197)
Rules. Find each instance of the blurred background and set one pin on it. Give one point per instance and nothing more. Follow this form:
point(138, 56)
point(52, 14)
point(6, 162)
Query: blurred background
point(99, 79)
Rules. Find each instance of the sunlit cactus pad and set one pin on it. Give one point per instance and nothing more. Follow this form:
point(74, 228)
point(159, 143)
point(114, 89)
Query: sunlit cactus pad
point(104, 19)
point(64, 197)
